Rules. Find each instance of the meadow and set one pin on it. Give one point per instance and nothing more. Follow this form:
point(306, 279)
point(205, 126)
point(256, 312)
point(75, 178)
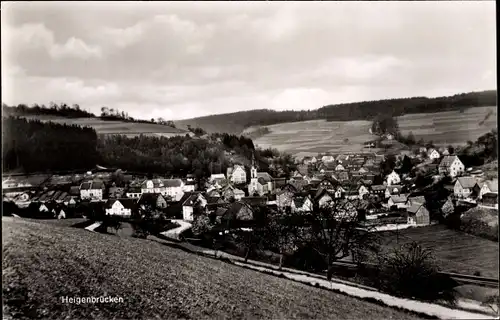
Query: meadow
point(129, 129)
point(453, 251)
point(43, 263)
point(312, 137)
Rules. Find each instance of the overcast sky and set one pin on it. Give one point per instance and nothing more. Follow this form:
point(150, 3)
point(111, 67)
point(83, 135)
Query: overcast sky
point(182, 60)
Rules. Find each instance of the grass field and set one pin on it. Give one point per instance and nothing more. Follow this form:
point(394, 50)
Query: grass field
point(312, 137)
point(454, 251)
point(116, 127)
point(44, 262)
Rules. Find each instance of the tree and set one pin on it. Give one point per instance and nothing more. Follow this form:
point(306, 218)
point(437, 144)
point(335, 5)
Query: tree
point(410, 140)
point(451, 149)
point(410, 271)
point(281, 233)
point(406, 165)
point(334, 233)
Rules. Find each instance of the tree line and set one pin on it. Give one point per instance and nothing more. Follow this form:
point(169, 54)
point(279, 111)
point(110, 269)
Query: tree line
point(366, 110)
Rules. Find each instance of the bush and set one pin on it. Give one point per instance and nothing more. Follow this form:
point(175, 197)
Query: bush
point(410, 272)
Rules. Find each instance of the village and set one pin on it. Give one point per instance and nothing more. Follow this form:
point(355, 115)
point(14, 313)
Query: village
point(391, 200)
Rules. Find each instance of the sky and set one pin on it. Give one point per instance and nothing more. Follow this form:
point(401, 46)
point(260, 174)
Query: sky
point(179, 60)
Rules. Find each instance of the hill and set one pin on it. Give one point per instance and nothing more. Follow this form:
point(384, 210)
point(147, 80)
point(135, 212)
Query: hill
point(236, 122)
point(43, 263)
point(312, 137)
point(109, 122)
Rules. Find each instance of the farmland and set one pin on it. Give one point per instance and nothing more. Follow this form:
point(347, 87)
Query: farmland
point(312, 137)
point(129, 129)
point(454, 251)
point(43, 262)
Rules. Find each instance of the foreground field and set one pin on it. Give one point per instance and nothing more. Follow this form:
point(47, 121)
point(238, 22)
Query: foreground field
point(454, 251)
point(116, 127)
point(43, 262)
point(312, 137)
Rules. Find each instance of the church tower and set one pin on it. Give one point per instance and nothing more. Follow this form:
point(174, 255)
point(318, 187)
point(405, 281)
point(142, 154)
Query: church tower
point(253, 169)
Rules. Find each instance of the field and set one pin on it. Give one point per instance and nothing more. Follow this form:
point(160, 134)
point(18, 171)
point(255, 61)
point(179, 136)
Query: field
point(312, 137)
point(454, 251)
point(116, 127)
point(43, 263)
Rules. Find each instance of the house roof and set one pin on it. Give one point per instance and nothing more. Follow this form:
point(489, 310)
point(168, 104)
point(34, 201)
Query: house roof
point(192, 199)
point(74, 190)
point(447, 161)
point(417, 199)
point(414, 207)
point(126, 202)
point(134, 190)
point(172, 183)
point(217, 176)
point(254, 200)
point(378, 187)
point(149, 198)
point(391, 188)
point(235, 208)
point(398, 198)
point(299, 201)
point(264, 175)
point(492, 185)
point(467, 182)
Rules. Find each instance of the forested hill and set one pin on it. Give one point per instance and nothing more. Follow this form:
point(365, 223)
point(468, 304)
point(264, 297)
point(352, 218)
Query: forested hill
point(235, 123)
point(35, 146)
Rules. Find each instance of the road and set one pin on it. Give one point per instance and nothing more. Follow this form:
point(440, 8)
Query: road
point(175, 233)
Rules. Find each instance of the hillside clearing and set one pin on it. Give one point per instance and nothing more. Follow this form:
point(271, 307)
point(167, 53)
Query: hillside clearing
point(454, 251)
point(115, 127)
point(43, 263)
point(312, 137)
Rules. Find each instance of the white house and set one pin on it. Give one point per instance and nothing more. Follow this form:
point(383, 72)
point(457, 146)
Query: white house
point(465, 186)
point(451, 166)
point(133, 192)
point(92, 190)
point(192, 201)
point(302, 205)
point(433, 154)
point(173, 188)
point(325, 159)
point(393, 178)
point(217, 176)
point(237, 174)
point(309, 160)
point(362, 190)
point(339, 167)
point(488, 187)
point(119, 207)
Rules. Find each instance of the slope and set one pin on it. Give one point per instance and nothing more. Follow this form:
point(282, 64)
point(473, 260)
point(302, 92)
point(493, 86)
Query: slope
point(43, 263)
point(236, 122)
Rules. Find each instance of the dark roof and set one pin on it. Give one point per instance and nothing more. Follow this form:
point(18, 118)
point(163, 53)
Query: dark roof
point(254, 200)
point(74, 190)
point(378, 187)
point(234, 208)
point(264, 175)
point(299, 201)
point(170, 183)
point(149, 198)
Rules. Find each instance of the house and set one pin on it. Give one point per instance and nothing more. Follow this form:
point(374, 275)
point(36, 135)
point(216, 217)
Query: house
point(398, 201)
point(309, 160)
point(155, 200)
point(488, 186)
point(120, 207)
point(59, 213)
point(230, 193)
point(378, 189)
point(278, 183)
point(418, 215)
point(216, 177)
point(465, 187)
point(451, 166)
point(362, 191)
point(329, 184)
point(490, 199)
point(339, 167)
point(238, 212)
point(192, 201)
point(392, 190)
point(393, 178)
point(284, 199)
point(326, 159)
point(363, 170)
point(173, 188)
point(301, 204)
point(74, 191)
point(433, 154)
point(189, 185)
point(323, 198)
point(422, 150)
point(260, 182)
point(445, 152)
point(237, 174)
point(342, 176)
point(415, 199)
point(133, 192)
point(92, 190)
